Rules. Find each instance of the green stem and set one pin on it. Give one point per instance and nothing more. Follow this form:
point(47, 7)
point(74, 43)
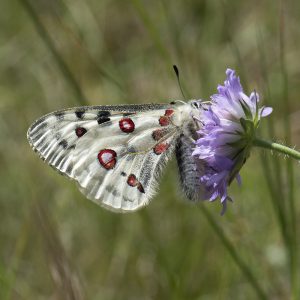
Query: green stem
point(277, 147)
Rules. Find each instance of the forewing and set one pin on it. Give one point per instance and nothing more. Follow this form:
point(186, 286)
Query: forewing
point(114, 165)
point(55, 136)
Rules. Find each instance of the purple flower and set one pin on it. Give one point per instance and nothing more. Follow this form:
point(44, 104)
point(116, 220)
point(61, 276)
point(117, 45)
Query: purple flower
point(227, 129)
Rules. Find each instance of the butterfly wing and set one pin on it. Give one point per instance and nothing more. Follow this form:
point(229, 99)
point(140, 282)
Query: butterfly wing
point(54, 136)
point(115, 153)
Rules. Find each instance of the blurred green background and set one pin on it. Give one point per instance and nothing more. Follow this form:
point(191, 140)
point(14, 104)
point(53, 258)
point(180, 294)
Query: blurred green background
point(55, 244)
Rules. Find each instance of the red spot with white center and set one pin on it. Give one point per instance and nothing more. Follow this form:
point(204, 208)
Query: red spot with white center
point(80, 131)
point(107, 158)
point(126, 125)
point(161, 148)
point(131, 180)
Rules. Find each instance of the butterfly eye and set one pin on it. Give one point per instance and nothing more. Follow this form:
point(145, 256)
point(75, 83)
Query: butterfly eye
point(196, 104)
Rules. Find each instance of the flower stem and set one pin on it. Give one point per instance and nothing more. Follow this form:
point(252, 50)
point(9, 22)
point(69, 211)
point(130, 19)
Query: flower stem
point(277, 147)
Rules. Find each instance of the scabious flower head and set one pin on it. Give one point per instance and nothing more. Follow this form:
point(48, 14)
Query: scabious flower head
point(227, 129)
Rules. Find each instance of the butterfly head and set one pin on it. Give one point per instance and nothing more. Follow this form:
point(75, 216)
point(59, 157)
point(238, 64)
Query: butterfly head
point(196, 108)
point(195, 104)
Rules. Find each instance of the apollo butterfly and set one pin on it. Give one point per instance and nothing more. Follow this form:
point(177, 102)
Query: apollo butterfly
point(116, 153)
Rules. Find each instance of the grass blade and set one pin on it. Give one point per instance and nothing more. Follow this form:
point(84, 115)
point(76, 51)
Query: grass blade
point(233, 253)
point(50, 45)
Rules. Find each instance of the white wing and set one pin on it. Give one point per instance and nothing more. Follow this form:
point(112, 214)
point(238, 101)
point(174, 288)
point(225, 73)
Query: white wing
point(115, 153)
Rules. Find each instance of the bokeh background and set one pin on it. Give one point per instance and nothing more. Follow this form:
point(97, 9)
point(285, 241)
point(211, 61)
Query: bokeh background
point(55, 244)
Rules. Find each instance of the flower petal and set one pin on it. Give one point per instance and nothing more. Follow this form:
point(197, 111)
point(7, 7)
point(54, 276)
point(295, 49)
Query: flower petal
point(227, 128)
point(265, 111)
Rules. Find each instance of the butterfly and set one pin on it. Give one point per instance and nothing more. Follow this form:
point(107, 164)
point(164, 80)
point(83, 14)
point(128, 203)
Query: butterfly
point(116, 154)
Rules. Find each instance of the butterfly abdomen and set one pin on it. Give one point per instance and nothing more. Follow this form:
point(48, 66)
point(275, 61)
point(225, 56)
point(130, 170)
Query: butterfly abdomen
point(188, 169)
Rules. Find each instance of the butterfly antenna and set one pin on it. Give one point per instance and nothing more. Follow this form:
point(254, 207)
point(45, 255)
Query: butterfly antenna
point(178, 80)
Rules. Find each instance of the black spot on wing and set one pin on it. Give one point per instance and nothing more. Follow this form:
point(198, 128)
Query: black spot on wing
point(102, 120)
point(79, 113)
point(63, 143)
point(103, 116)
point(103, 113)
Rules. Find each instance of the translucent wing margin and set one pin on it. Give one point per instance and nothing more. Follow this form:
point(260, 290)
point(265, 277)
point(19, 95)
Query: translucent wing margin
point(115, 153)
